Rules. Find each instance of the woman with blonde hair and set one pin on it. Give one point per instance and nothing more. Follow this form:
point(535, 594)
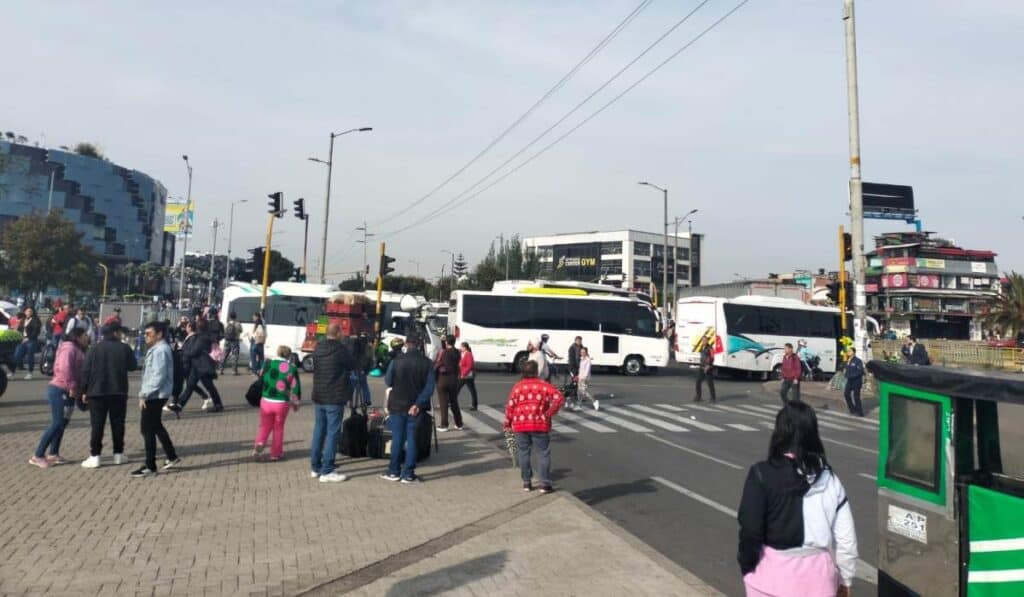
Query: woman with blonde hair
point(281, 392)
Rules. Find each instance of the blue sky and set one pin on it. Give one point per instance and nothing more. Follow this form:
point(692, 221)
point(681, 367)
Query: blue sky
point(748, 125)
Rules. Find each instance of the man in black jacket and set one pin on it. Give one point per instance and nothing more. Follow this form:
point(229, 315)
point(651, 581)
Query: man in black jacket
point(574, 357)
point(106, 392)
point(410, 380)
point(332, 388)
point(199, 368)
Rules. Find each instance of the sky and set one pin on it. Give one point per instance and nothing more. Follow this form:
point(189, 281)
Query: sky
point(748, 124)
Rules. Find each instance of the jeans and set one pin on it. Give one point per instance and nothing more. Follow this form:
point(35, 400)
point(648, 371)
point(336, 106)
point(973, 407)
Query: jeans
point(326, 432)
point(272, 417)
point(852, 396)
point(152, 427)
point(403, 433)
point(192, 384)
point(55, 432)
point(468, 382)
point(100, 407)
point(231, 350)
point(788, 384)
point(708, 376)
point(525, 441)
point(360, 383)
point(256, 357)
point(448, 396)
point(26, 351)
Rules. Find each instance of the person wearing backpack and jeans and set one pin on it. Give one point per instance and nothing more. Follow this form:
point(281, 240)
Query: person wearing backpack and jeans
point(232, 341)
point(332, 388)
point(62, 389)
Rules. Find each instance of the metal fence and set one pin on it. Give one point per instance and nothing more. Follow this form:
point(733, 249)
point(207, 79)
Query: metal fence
point(953, 353)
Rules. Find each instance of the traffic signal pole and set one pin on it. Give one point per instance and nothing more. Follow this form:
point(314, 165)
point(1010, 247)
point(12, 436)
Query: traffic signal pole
point(380, 292)
point(856, 186)
point(842, 279)
point(266, 262)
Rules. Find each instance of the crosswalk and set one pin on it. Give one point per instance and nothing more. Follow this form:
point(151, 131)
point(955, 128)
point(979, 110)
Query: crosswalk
point(735, 417)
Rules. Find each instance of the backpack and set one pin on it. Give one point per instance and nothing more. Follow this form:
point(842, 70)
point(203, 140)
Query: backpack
point(259, 334)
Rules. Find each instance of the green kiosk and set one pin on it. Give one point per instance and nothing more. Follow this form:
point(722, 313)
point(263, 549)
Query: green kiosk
point(950, 482)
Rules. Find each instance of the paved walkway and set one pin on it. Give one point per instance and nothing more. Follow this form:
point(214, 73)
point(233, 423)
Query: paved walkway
point(224, 525)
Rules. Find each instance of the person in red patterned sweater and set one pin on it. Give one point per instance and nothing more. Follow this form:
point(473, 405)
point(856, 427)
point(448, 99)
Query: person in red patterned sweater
point(531, 405)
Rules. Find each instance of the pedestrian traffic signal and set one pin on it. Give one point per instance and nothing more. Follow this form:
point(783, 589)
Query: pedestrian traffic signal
point(847, 246)
point(300, 208)
point(385, 265)
point(276, 203)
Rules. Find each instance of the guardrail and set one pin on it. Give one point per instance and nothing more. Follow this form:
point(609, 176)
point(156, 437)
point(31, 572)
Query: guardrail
point(955, 353)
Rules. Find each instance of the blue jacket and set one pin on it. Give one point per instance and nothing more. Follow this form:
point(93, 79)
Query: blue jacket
point(855, 370)
point(158, 377)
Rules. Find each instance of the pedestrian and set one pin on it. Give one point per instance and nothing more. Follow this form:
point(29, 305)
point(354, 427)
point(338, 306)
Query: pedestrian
point(446, 368)
point(105, 379)
point(574, 356)
point(199, 368)
point(214, 327)
point(58, 323)
point(332, 388)
point(706, 366)
point(257, 338)
point(545, 349)
point(281, 393)
point(30, 328)
point(583, 378)
point(232, 341)
point(182, 330)
point(83, 321)
point(538, 356)
point(792, 370)
point(854, 373)
point(61, 392)
point(670, 336)
point(410, 381)
point(531, 405)
point(467, 373)
point(916, 354)
point(796, 527)
point(114, 319)
point(157, 389)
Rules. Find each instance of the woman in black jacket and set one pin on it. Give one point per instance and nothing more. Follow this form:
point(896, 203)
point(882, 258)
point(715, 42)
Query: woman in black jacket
point(199, 367)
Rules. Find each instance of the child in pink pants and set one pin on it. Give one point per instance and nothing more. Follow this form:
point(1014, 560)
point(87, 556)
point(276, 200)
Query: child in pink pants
point(281, 392)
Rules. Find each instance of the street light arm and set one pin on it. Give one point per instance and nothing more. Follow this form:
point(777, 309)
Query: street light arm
point(364, 129)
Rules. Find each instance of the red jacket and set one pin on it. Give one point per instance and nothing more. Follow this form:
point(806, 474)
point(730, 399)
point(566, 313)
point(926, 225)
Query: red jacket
point(531, 404)
point(791, 367)
point(466, 365)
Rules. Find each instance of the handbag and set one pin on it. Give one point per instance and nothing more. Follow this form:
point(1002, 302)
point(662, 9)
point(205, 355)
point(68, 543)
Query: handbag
point(216, 353)
point(254, 393)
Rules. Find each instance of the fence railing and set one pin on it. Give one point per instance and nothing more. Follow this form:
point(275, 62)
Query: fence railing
point(954, 353)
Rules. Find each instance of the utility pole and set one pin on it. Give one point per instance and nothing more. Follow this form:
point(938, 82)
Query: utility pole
point(856, 190)
point(187, 226)
point(213, 261)
point(366, 238)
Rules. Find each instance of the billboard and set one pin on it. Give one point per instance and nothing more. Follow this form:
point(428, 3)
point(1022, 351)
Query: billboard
point(888, 201)
point(580, 261)
point(175, 213)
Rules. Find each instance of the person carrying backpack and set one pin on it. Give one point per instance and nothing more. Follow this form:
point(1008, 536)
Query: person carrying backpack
point(232, 341)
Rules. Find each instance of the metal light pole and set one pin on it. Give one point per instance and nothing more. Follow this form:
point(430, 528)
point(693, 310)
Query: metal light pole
point(231, 229)
point(417, 264)
point(675, 255)
point(187, 225)
point(366, 238)
point(327, 199)
point(452, 271)
point(856, 190)
point(439, 291)
point(664, 252)
point(213, 261)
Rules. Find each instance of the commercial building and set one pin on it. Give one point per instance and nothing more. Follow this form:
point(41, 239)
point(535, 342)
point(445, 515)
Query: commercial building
point(622, 258)
point(773, 287)
point(919, 284)
point(119, 211)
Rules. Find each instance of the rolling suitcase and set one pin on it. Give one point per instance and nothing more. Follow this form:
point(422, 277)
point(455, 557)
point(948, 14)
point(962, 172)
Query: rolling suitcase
point(354, 432)
point(378, 435)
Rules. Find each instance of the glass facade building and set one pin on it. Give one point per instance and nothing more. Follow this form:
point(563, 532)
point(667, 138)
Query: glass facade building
point(119, 211)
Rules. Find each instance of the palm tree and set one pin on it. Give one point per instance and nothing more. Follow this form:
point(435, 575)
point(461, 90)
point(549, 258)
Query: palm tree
point(1006, 310)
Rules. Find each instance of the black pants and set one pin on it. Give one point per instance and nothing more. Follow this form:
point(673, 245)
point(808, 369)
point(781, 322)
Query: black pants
point(468, 382)
point(152, 427)
point(708, 376)
point(787, 385)
point(192, 385)
point(852, 396)
point(448, 396)
point(100, 407)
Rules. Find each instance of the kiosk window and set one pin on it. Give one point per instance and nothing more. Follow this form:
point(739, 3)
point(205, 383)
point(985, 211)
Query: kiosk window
point(1011, 421)
point(914, 441)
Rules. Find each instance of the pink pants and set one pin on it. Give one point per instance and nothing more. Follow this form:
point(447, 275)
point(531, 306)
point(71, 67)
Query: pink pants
point(808, 574)
point(272, 416)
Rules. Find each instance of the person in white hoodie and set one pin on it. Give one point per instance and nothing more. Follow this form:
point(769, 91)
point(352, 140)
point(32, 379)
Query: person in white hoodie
point(583, 379)
point(796, 528)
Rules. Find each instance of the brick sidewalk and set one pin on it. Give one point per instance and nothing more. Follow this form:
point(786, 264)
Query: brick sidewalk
point(224, 525)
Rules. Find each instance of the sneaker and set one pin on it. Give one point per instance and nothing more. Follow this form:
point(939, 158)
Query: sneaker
point(698, 399)
point(333, 478)
point(206, 404)
point(169, 464)
point(390, 477)
point(91, 462)
point(442, 429)
point(546, 489)
point(527, 486)
point(313, 474)
point(120, 459)
point(143, 472)
point(257, 452)
point(56, 459)
point(218, 408)
point(28, 377)
point(413, 480)
point(40, 462)
point(597, 405)
point(459, 427)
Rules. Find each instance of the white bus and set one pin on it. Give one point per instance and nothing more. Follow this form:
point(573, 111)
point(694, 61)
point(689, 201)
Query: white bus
point(620, 332)
point(753, 330)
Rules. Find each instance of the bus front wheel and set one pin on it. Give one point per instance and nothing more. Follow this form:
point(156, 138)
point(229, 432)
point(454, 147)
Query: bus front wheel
point(634, 365)
point(776, 374)
point(307, 364)
point(519, 361)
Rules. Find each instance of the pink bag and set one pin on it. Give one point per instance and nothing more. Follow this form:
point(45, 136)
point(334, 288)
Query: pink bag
point(216, 353)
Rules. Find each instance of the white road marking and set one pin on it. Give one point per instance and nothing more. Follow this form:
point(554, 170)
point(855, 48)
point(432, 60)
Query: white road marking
point(865, 571)
point(500, 417)
point(623, 410)
point(677, 418)
point(821, 423)
point(616, 421)
point(578, 420)
point(867, 476)
point(740, 426)
point(474, 423)
point(851, 446)
point(678, 409)
point(861, 420)
point(857, 422)
point(748, 413)
point(695, 452)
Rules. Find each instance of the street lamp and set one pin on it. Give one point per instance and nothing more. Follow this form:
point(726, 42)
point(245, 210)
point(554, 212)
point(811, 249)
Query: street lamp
point(664, 252)
point(327, 200)
point(231, 229)
point(675, 255)
point(187, 226)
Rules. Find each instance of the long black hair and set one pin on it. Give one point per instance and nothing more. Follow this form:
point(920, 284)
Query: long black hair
point(796, 435)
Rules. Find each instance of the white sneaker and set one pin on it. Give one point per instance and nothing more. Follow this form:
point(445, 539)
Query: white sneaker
point(313, 474)
point(442, 429)
point(597, 405)
point(28, 377)
point(206, 404)
point(91, 462)
point(333, 478)
point(120, 459)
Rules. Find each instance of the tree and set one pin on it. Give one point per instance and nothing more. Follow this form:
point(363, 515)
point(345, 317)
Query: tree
point(42, 252)
point(459, 266)
point(1006, 311)
point(88, 149)
point(413, 285)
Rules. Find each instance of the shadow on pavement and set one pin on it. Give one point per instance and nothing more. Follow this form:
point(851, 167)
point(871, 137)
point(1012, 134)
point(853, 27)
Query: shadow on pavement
point(446, 579)
point(596, 495)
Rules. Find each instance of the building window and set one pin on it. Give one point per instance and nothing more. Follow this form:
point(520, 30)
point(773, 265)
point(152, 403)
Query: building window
point(643, 249)
point(610, 267)
point(683, 271)
point(545, 253)
point(613, 248)
point(914, 457)
point(683, 254)
point(642, 269)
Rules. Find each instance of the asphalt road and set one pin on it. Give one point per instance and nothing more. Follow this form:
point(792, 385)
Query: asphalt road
point(672, 473)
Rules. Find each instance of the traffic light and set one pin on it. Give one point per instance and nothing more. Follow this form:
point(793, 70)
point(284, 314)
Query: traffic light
point(385, 265)
point(300, 208)
point(833, 291)
point(254, 266)
point(847, 246)
point(297, 275)
point(276, 204)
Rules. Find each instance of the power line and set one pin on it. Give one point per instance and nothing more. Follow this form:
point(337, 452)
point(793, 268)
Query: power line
point(565, 79)
point(451, 205)
point(566, 116)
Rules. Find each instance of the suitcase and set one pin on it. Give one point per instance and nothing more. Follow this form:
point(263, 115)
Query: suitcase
point(378, 435)
point(354, 433)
